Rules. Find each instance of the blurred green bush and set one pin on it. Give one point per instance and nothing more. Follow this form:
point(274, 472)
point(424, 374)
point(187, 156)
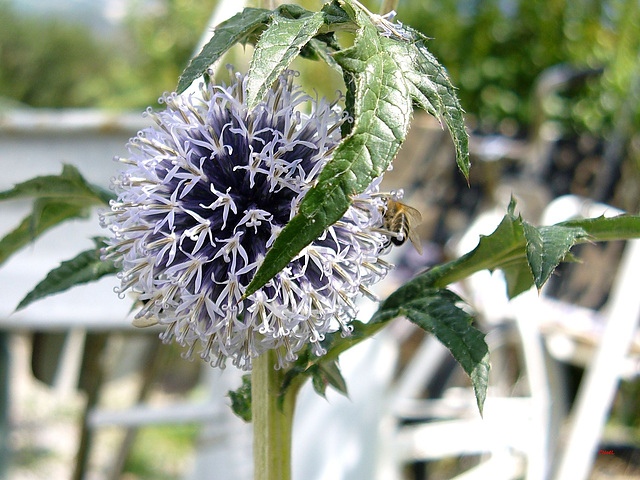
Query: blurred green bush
point(495, 51)
point(47, 62)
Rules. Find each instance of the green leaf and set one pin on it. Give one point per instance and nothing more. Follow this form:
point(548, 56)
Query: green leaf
point(57, 198)
point(523, 251)
point(424, 301)
point(322, 49)
point(69, 187)
point(435, 311)
point(526, 254)
point(279, 44)
point(431, 89)
point(294, 31)
point(244, 27)
point(382, 110)
point(517, 274)
point(317, 381)
point(84, 268)
point(547, 247)
point(383, 76)
point(334, 343)
point(334, 377)
point(327, 373)
point(622, 227)
point(336, 18)
point(504, 248)
point(241, 399)
point(247, 27)
point(46, 214)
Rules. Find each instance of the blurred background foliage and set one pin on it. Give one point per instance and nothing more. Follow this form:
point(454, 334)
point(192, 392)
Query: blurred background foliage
point(494, 50)
point(566, 72)
point(525, 69)
point(50, 61)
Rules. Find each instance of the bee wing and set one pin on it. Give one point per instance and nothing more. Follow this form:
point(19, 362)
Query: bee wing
point(415, 218)
point(415, 241)
point(414, 215)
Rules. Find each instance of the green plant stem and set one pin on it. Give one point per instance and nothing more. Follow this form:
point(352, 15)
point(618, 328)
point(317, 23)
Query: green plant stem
point(465, 266)
point(272, 420)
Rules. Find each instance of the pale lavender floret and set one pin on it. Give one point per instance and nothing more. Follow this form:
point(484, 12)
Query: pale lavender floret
point(390, 29)
point(206, 192)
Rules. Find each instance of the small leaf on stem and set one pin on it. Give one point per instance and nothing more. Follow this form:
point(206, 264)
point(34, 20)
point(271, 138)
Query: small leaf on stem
point(435, 311)
point(279, 44)
point(85, 267)
point(241, 399)
point(244, 27)
point(46, 214)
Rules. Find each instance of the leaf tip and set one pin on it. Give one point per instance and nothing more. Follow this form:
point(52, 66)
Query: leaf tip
point(23, 303)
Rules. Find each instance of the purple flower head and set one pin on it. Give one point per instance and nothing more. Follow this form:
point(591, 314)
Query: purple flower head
point(206, 192)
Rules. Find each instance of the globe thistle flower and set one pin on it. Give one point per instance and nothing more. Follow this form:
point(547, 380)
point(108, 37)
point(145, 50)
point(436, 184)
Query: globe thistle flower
point(204, 195)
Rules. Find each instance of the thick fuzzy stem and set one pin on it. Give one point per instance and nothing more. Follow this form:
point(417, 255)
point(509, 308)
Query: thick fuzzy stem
point(272, 420)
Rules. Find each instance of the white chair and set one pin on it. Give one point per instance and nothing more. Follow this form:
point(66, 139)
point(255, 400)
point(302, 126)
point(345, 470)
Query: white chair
point(616, 325)
point(513, 428)
point(518, 435)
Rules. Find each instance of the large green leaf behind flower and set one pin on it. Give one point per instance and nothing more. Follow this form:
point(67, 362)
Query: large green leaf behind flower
point(84, 268)
point(244, 27)
point(281, 34)
point(280, 43)
point(57, 198)
point(384, 76)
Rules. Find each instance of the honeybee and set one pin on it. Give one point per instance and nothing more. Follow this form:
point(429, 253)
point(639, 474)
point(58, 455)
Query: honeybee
point(400, 221)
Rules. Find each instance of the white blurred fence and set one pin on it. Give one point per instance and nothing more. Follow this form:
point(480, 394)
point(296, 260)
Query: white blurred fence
point(39, 143)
